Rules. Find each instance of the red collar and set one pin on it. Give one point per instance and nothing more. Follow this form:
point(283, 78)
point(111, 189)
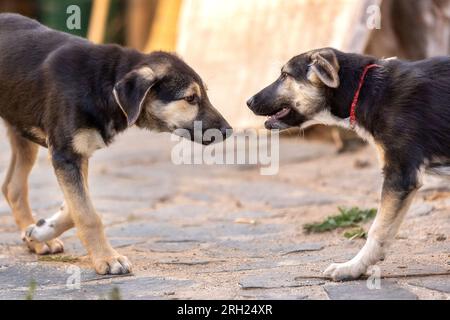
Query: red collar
point(356, 96)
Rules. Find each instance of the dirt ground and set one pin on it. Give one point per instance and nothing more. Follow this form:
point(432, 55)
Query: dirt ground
point(227, 232)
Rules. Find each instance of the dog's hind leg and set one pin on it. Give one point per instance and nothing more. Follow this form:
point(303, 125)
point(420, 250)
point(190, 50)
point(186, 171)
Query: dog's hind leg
point(61, 221)
point(397, 195)
point(50, 228)
point(15, 189)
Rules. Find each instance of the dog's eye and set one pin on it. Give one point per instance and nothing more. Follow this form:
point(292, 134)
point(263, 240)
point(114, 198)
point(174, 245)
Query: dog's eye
point(192, 99)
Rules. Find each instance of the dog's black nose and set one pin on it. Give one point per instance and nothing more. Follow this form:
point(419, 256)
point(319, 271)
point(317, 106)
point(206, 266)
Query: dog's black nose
point(251, 101)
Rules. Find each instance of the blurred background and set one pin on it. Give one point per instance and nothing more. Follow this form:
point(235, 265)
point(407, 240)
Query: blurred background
point(238, 47)
point(217, 231)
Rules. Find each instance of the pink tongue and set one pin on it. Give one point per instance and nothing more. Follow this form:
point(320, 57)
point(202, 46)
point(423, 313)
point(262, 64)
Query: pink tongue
point(280, 114)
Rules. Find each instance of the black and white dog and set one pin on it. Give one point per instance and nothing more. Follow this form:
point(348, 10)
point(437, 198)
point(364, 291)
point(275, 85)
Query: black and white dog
point(67, 94)
point(402, 108)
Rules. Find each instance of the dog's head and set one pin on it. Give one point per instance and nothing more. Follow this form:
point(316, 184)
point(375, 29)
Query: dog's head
point(299, 93)
point(165, 94)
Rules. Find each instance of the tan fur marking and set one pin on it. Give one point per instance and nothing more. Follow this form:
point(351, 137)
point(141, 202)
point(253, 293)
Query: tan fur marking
point(160, 68)
point(286, 68)
point(87, 141)
point(334, 63)
point(173, 115)
point(313, 77)
point(146, 73)
point(193, 89)
point(38, 133)
point(177, 114)
point(380, 154)
point(390, 215)
point(306, 97)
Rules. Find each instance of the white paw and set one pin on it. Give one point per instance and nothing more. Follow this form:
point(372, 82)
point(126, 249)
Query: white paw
point(41, 248)
point(41, 231)
point(345, 271)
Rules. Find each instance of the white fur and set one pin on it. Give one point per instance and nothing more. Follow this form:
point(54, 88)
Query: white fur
point(51, 228)
point(370, 254)
point(41, 233)
point(44, 232)
point(325, 117)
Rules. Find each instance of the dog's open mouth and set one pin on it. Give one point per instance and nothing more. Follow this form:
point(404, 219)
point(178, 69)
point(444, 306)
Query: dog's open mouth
point(275, 121)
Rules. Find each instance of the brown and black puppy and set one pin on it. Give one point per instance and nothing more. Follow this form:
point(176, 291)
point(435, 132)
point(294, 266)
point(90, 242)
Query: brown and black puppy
point(402, 108)
point(74, 97)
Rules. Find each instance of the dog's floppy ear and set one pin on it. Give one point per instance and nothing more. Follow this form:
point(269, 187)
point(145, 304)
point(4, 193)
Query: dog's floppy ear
point(131, 91)
point(324, 68)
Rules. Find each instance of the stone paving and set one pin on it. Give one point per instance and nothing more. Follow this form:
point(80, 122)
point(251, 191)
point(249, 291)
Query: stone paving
point(226, 232)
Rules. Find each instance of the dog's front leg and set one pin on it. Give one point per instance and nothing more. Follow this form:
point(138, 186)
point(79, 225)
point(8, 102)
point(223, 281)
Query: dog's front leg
point(397, 194)
point(71, 171)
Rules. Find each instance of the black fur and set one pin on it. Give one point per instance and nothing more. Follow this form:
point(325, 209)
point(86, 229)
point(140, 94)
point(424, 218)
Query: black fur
point(404, 106)
point(68, 94)
point(60, 83)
